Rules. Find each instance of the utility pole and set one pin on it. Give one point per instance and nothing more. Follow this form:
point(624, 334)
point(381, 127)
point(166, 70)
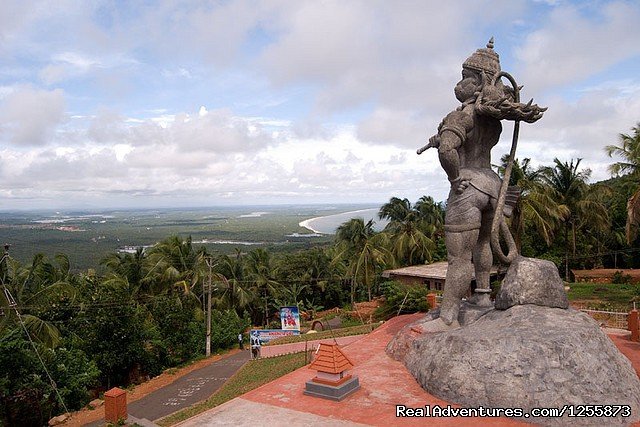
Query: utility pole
point(266, 309)
point(208, 345)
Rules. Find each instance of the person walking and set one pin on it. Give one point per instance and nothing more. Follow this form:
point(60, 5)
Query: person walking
point(240, 341)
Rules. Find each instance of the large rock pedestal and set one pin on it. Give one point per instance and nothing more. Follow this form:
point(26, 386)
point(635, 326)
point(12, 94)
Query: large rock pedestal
point(534, 353)
point(527, 357)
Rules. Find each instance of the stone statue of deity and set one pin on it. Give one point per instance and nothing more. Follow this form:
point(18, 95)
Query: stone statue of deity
point(464, 141)
point(533, 352)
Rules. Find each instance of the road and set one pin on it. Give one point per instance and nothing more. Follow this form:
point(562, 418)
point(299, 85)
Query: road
point(191, 388)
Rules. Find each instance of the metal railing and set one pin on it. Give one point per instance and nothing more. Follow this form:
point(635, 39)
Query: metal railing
point(610, 319)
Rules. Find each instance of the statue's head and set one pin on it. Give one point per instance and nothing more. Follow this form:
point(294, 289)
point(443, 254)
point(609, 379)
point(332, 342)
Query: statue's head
point(486, 60)
point(481, 61)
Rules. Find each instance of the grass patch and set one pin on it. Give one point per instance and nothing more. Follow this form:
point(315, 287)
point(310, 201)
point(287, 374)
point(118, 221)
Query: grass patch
point(252, 375)
point(342, 332)
point(602, 295)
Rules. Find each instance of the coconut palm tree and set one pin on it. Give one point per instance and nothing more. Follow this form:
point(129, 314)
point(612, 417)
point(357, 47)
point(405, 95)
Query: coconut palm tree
point(131, 268)
point(411, 228)
point(536, 204)
point(130, 265)
point(260, 270)
point(629, 150)
point(34, 289)
point(581, 205)
point(370, 260)
point(363, 252)
point(232, 289)
point(174, 264)
point(431, 212)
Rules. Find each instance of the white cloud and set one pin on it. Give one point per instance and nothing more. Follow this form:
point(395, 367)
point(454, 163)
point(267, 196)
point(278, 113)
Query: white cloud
point(281, 101)
point(576, 43)
point(28, 116)
point(68, 65)
point(399, 54)
point(395, 127)
point(14, 15)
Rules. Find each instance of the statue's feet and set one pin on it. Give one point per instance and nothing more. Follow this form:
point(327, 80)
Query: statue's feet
point(438, 325)
point(481, 300)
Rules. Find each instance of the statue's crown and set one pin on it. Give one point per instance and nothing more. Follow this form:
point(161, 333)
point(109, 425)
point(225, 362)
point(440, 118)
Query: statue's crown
point(486, 60)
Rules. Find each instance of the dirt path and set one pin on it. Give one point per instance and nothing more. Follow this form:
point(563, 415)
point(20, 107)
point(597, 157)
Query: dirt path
point(88, 416)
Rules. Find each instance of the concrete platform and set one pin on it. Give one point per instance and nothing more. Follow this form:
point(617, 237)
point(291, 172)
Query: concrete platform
point(242, 412)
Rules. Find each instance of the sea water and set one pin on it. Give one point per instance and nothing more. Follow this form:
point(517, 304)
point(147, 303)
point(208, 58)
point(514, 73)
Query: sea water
point(329, 224)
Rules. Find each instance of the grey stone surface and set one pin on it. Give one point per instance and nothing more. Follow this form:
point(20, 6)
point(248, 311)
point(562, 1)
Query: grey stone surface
point(469, 313)
point(330, 392)
point(532, 281)
point(527, 357)
point(401, 343)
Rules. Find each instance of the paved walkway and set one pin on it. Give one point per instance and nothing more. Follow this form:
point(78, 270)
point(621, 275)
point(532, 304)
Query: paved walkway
point(241, 412)
point(384, 382)
point(198, 385)
point(191, 388)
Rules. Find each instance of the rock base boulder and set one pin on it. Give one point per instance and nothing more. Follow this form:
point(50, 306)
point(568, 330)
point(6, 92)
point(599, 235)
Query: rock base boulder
point(532, 281)
point(525, 357)
point(402, 342)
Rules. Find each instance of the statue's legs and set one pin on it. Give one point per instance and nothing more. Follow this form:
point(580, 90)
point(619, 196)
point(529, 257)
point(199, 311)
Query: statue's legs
point(459, 272)
point(467, 236)
point(482, 262)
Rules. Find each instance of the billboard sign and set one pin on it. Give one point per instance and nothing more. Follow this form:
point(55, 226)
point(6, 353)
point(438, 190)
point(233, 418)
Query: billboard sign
point(260, 337)
point(290, 318)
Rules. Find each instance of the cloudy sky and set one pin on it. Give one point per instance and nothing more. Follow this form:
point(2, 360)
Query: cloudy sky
point(204, 103)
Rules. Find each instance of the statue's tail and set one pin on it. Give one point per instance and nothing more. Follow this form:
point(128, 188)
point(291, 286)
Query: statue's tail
point(506, 234)
point(499, 226)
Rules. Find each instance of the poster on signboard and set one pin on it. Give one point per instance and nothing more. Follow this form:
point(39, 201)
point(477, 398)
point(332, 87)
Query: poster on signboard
point(259, 337)
point(290, 318)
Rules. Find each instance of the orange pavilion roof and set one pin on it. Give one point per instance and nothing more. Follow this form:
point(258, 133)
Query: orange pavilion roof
point(330, 359)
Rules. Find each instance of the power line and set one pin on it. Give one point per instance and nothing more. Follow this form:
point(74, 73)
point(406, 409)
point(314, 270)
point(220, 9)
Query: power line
point(601, 254)
point(12, 304)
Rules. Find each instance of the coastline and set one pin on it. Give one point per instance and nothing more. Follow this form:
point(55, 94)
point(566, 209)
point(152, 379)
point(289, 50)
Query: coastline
point(307, 222)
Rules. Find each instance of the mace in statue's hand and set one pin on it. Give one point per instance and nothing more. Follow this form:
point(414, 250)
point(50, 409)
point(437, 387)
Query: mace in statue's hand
point(434, 142)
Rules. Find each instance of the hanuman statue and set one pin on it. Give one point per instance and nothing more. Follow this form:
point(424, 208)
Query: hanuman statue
point(464, 141)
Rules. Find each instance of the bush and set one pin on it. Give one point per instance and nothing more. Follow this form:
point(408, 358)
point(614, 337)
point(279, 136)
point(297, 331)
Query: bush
point(619, 277)
point(495, 288)
point(403, 298)
point(225, 326)
point(26, 395)
point(182, 337)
